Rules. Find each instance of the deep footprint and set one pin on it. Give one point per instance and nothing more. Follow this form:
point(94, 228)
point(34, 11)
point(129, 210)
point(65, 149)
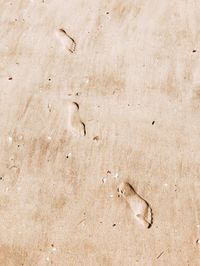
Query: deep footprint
point(74, 124)
point(141, 210)
point(66, 40)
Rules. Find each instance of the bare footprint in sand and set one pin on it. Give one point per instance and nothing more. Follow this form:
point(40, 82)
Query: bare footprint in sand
point(141, 210)
point(74, 124)
point(67, 42)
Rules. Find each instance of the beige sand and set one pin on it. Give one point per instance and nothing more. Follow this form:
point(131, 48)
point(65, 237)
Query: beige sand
point(133, 68)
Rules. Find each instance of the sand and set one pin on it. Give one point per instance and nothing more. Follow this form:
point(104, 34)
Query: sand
point(93, 94)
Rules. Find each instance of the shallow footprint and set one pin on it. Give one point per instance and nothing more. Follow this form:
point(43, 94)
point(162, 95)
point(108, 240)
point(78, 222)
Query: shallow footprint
point(66, 40)
point(74, 124)
point(140, 208)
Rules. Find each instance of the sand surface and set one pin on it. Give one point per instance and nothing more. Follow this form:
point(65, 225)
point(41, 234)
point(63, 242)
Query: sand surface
point(92, 94)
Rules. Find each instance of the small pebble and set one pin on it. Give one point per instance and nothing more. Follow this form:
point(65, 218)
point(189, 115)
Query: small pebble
point(96, 138)
point(68, 155)
point(104, 180)
point(116, 175)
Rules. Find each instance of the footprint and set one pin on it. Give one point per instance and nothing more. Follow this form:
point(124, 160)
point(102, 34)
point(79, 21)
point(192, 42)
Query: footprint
point(140, 208)
point(74, 124)
point(66, 40)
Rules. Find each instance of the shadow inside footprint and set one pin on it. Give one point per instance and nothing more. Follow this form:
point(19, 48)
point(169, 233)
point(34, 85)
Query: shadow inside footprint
point(74, 124)
point(67, 41)
point(140, 208)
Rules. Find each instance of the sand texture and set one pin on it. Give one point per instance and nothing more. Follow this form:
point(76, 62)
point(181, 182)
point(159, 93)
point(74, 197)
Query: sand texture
point(99, 133)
